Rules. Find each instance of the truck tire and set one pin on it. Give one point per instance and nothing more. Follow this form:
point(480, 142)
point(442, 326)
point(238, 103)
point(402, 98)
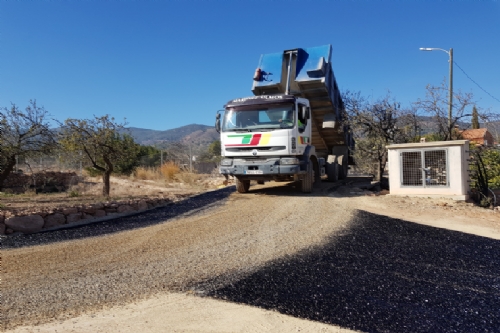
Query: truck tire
point(307, 181)
point(343, 166)
point(332, 172)
point(242, 186)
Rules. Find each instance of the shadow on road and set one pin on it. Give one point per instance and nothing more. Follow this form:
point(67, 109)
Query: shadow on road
point(383, 275)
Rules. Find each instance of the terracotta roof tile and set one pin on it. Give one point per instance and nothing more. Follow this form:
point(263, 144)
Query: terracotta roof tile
point(477, 135)
point(474, 133)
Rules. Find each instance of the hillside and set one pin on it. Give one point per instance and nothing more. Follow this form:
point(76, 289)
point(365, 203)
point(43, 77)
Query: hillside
point(203, 135)
point(195, 133)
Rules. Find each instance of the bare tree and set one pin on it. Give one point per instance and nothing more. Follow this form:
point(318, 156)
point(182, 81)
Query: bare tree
point(181, 152)
point(23, 134)
point(377, 125)
point(436, 104)
point(492, 122)
point(101, 143)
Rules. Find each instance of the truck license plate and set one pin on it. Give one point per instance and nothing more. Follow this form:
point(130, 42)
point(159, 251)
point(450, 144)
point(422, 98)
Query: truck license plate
point(254, 172)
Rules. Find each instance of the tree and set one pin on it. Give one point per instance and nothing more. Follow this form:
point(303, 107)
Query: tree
point(212, 153)
point(436, 105)
point(23, 134)
point(475, 118)
point(374, 126)
point(101, 143)
point(149, 156)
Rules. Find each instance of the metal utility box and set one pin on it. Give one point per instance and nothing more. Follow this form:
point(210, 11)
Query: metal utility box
point(430, 169)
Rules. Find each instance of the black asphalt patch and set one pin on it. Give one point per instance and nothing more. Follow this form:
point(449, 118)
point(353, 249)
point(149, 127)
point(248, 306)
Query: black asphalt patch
point(381, 275)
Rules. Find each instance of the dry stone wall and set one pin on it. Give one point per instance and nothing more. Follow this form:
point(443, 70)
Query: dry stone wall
point(37, 221)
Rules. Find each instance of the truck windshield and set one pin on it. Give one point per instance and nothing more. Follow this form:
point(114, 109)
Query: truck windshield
point(260, 118)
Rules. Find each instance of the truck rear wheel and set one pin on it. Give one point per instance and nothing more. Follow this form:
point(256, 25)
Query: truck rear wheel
point(332, 168)
point(242, 186)
point(306, 183)
point(343, 166)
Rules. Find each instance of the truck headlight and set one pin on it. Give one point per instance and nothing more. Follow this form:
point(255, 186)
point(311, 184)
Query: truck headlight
point(289, 161)
point(226, 162)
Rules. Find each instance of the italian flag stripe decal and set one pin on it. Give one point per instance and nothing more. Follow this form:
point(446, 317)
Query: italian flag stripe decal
point(249, 139)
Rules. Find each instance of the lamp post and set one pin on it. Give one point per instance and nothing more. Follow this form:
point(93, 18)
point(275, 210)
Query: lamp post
point(450, 53)
point(190, 158)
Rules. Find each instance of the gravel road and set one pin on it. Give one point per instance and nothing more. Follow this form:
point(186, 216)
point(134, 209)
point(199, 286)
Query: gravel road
point(317, 256)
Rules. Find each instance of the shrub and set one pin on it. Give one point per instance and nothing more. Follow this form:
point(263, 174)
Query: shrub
point(147, 173)
point(485, 167)
point(74, 194)
point(93, 172)
point(169, 170)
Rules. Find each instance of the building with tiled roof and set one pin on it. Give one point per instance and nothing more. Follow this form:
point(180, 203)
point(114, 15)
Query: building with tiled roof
point(479, 136)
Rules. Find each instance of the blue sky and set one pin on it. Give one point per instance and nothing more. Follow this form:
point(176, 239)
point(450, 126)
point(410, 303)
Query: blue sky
point(165, 64)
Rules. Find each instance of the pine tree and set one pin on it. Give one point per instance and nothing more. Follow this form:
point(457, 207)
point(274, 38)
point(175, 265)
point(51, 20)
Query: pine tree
point(475, 118)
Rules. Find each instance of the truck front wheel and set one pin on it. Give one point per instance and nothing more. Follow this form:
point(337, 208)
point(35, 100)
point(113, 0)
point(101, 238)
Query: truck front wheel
point(306, 183)
point(242, 186)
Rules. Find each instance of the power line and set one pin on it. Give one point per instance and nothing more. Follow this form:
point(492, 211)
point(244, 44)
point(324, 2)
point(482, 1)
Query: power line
point(476, 82)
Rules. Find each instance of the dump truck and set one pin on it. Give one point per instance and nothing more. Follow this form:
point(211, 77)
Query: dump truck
point(292, 128)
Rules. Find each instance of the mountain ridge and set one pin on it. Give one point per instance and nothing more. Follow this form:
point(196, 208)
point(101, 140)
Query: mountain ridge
point(194, 133)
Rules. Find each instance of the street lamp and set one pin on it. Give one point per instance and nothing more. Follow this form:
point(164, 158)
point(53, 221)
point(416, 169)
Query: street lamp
point(450, 53)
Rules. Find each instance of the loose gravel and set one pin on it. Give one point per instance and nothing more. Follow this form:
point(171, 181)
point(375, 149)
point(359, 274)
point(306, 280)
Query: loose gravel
point(315, 256)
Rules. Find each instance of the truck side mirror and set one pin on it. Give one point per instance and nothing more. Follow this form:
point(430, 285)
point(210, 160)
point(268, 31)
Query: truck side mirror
point(305, 112)
point(217, 122)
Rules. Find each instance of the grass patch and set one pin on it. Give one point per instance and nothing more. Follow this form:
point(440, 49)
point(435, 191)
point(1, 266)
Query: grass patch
point(188, 177)
point(74, 194)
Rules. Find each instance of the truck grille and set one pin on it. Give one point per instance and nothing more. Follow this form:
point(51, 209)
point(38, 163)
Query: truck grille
point(261, 149)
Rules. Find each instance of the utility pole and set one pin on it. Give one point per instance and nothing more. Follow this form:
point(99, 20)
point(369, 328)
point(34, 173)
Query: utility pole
point(451, 89)
point(190, 158)
point(450, 98)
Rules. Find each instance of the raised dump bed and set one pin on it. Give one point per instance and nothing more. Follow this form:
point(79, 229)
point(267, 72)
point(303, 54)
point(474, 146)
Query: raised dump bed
point(310, 76)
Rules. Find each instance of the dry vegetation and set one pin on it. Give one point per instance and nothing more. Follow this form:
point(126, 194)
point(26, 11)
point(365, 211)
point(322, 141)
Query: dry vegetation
point(168, 172)
point(169, 181)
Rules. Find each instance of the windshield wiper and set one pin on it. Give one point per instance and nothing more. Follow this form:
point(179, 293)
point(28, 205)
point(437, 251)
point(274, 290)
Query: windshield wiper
point(241, 130)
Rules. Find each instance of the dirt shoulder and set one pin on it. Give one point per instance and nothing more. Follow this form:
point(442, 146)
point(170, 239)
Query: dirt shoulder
point(158, 278)
point(440, 213)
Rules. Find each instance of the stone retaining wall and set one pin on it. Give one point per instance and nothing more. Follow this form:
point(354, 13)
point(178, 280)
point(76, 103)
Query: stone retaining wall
point(44, 219)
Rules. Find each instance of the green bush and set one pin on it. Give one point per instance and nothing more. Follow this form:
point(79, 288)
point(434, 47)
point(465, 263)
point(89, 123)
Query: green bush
point(485, 173)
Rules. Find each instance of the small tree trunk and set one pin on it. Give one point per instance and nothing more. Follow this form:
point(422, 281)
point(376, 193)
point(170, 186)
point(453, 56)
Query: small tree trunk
point(106, 176)
point(382, 165)
point(378, 176)
point(7, 170)
point(105, 180)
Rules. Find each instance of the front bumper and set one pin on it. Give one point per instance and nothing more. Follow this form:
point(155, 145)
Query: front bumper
point(259, 168)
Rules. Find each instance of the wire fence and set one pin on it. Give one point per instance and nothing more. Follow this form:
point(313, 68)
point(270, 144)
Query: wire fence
point(74, 163)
